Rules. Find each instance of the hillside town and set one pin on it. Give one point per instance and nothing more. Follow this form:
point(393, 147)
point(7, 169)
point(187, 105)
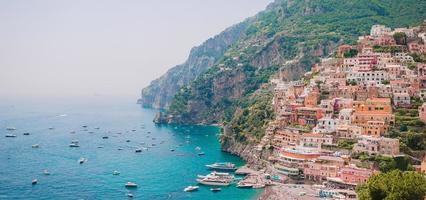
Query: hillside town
point(345, 108)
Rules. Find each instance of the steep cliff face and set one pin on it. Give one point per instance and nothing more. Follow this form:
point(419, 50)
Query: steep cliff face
point(161, 91)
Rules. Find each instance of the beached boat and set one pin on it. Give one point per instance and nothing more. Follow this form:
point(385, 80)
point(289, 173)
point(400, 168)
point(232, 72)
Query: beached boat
point(191, 188)
point(222, 166)
point(131, 185)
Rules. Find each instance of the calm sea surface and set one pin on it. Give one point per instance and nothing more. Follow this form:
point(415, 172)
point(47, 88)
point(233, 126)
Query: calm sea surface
point(159, 172)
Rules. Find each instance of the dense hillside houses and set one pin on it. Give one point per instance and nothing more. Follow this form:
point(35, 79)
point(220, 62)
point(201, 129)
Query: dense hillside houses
point(347, 106)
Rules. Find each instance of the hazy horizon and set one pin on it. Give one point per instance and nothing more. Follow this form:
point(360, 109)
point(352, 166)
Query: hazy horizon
point(74, 48)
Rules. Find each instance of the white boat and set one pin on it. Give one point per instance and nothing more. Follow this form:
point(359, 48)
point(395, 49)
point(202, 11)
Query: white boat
point(45, 172)
point(74, 143)
point(198, 148)
point(34, 181)
point(244, 185)
point(10, 135)
point(222, 166)
point(257, 186)
point(115, 173)
point(214, 181)
point(35, 146)
point(215, 189)
point(131, 185)
point(130, 195)
point(82, 160)
point(201, 153)
point(10, 128)
point(218, 175)
point(191, 188)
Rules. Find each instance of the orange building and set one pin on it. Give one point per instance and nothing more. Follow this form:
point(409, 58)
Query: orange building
point(374, 109)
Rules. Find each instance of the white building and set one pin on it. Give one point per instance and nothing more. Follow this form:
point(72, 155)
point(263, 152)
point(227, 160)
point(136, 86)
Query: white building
point(379, 30)
point(365, 77)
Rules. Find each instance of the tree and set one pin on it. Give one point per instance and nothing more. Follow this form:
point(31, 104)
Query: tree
point(394, 185)
point(400, 38)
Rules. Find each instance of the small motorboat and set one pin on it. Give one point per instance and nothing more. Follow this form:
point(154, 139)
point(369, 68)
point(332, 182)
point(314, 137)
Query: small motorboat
point(197, 148)
point(10, 128)
point(115, 173)
point(26, 133)
point(120, 149)
point(10, 135)
point(97, 128)
point(84, 126)
point(82, 160)
point(172, 150)
point(201, 154)
point(138, 150)
point(130, 195)
point(133, 130)
point(72, 132)
point(105, 137)
point(45, 172)
point(34, 181)
point(100, 147)
point(51, 128)
point(215, 189)
point(74, 145)
point(90, 132)
point(35, 146)
point(127, 140)
point(131, 185)
point(191, 188)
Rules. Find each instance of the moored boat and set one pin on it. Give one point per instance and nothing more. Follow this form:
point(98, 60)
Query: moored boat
point(131, 185)
point(222, 166)
point(34, 146)
point(216, 189)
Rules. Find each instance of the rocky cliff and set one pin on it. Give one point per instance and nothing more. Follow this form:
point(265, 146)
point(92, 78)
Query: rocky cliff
point(161, 91)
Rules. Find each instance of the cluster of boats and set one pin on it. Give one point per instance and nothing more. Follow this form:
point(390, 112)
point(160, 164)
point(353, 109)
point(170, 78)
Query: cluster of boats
point(215, 178)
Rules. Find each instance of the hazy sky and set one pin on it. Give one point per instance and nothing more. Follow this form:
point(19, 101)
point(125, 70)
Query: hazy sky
point(106, 47)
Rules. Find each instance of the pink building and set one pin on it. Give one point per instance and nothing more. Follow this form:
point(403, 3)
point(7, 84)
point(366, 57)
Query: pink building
point(355, 175)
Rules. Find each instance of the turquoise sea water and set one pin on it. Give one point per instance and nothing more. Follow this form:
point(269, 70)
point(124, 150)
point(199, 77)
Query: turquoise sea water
point(159, 172)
